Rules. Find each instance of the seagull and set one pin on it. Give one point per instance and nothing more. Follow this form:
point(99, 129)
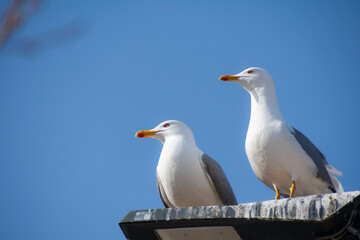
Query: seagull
point(281, 156)
point(186, 176)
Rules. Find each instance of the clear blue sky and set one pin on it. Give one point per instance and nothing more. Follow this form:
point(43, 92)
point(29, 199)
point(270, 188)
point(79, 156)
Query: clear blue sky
point(70, 166)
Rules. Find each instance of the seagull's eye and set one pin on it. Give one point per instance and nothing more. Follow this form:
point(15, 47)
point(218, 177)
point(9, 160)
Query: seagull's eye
point(166, 125)
point(250, 71)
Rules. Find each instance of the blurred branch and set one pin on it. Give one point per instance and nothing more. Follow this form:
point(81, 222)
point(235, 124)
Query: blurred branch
point(35, 44)
point(16, 15)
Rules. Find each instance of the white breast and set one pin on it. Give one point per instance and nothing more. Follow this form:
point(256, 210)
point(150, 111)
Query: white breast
point(276, 158)
point(183, 177)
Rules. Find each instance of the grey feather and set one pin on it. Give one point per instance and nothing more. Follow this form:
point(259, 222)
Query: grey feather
point(162, 193)
point(217, 176)
point(318, 158)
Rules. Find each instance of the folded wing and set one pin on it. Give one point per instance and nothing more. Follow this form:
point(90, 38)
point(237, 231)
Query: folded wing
point(217, 177)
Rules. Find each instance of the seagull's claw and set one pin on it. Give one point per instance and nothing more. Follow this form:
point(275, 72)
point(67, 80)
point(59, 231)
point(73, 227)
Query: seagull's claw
point(277, 196)
point(292, 189)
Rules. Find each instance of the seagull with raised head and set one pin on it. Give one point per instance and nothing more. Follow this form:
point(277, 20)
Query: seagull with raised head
point(281, 156)
point(185, 175)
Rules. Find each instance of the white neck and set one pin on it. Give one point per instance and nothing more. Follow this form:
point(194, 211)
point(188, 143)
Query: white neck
point(176, 144)
point(180, 139)
point(176, 148)
point(264, 105)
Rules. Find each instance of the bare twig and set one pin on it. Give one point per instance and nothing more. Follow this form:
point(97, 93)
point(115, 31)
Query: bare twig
point(16, 15)
point(55, 37)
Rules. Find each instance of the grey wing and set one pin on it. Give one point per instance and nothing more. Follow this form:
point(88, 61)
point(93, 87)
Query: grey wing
point(314, 153)
point(219, 180)
point(162, 193)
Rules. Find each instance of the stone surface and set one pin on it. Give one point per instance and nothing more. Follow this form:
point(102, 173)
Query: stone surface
point(310, 212)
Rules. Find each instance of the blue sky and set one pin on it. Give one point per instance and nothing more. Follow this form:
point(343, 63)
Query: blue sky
point(70, 166)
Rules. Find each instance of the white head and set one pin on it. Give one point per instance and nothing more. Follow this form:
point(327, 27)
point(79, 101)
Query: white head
point(255, 80)
point(166, 130)
point(259, 83)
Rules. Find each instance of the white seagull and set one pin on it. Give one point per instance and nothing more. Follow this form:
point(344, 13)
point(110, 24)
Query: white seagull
point(185, 175)
point(282, 157)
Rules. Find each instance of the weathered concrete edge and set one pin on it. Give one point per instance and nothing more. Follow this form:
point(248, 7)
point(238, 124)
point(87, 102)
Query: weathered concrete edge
point(313, 208)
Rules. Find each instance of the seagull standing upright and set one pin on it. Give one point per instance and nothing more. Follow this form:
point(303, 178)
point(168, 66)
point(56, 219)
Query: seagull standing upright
point(185, 175)
point(282, 157)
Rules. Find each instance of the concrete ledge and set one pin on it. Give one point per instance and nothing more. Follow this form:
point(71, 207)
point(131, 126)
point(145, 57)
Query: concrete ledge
point(310, 217)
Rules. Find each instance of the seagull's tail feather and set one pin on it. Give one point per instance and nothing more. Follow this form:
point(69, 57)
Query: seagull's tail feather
point(333, 172)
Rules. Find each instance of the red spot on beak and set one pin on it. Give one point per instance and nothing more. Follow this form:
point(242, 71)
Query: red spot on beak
point(224, 78)
point(141, 135)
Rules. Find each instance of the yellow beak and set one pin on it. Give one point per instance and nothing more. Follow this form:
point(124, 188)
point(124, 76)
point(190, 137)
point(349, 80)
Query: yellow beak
point(229, 78)
point(145, 133)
